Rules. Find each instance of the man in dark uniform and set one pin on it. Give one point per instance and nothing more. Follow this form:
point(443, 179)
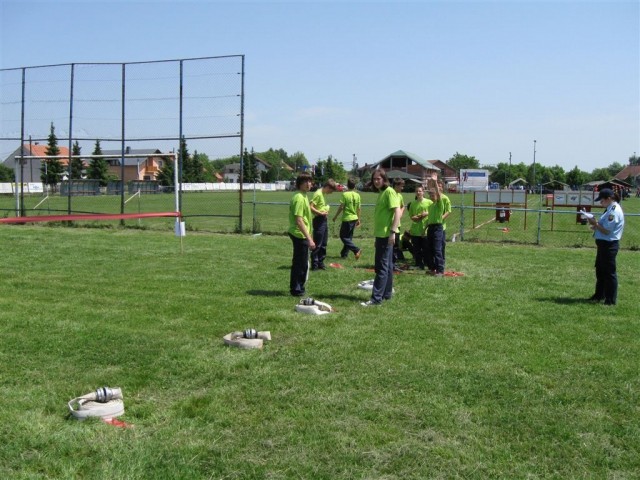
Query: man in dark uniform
point(607, 232)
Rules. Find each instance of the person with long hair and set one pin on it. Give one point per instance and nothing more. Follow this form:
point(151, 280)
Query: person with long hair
point(386, 219)
point(607, 232)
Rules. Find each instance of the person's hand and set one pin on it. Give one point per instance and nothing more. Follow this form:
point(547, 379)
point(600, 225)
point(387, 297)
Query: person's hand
point(312, 245)
point(392, 239)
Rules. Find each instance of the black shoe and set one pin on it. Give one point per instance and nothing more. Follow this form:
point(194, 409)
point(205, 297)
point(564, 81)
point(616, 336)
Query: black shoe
point(297, 294)
point(594, 299)
point(609, 302)
point(322, 267)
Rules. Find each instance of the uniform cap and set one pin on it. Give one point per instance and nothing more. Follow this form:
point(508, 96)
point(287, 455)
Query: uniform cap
point(604, 193)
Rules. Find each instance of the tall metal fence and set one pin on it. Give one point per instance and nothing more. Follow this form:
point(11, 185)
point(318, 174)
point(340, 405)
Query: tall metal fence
point(537, 224)
point(136, 111)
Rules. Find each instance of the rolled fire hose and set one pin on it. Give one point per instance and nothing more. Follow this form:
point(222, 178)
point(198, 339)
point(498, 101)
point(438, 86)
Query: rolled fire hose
point(313, 307)
point(104, 403)
point(250, 338)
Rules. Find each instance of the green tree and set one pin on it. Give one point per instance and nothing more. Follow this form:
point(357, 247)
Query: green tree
point(634, 160)
point(76, 162)
point(98, 167)
point(192, 166)
point(329, 168)
point(6, 174)
point(250, 167)
point(167, 171)
point(576, 178)
point(459, 161)
point(298, 162)
point(600, 174)
point(614, 169)
point(500, 174)
point(200, 164)
point(51, 170)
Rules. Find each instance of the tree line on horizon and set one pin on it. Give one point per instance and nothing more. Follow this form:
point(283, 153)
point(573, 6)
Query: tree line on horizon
point(199, 168)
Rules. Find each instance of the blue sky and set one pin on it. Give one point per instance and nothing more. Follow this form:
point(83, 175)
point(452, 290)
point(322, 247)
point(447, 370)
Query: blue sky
point(482, 78)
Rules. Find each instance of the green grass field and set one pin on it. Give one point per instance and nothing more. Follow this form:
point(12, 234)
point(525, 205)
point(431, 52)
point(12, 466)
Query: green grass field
point(267, 212)
point(503, 373)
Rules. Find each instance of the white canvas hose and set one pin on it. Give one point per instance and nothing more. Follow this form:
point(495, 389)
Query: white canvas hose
point(104, 403)
point(250, 338)
point(313, 307)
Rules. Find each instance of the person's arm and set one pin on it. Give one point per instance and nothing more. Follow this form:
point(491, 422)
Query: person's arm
point(595, 225)
point(397, 213)
point(340, 208)
point(433, 184)
point(302, 227)
point(314, 210)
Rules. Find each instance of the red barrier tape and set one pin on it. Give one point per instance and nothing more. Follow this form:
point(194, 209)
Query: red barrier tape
point(87, 216)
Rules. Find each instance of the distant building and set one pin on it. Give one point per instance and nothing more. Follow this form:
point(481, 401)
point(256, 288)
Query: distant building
point(146, 165)
point(31, 166)
point(406, 162)
point(630, 172)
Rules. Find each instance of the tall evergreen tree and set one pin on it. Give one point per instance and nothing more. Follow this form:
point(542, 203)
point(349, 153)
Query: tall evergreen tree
point(98, 167)
point(166, 174)
point(250, 167)
point(76, 162)
point(187, 164)
point(51, 170)
point(198, 162)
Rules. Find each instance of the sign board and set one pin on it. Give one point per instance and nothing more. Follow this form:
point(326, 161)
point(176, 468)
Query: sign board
point(472, 179)
point(500, 196)
point(574, 198)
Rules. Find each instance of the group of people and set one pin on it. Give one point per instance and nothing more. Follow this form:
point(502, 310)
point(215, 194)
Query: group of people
point(309, 231)
point(427, 231)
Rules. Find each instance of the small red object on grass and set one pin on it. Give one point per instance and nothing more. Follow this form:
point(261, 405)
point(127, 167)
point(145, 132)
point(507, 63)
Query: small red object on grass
point(335, 265)
point(116, 423)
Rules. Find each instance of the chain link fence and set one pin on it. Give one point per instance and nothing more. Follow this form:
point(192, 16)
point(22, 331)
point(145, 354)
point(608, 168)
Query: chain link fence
point(537, 224)
point(135, 112)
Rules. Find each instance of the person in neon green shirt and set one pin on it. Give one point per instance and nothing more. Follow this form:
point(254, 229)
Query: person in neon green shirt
point(350, 207)
point(436, 225)
point(398, 255)
point(300, 234)
point(320, 210)
point(386, 219)
point(419, 212)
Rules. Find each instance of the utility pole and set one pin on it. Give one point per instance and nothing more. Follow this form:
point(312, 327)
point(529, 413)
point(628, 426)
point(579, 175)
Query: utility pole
point(534, 165)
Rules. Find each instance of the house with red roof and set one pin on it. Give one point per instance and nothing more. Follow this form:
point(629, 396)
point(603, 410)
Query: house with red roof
point(31, 166)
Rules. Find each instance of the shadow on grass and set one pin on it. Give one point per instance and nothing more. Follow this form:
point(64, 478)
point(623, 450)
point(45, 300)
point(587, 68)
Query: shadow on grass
point(268, 293)
point(566, 300)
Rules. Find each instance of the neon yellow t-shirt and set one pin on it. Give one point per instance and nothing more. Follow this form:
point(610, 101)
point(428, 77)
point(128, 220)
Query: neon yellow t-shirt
point(388, 201)
point(438, 209)
point(299, 207)
point(350, 202)
point(416, 208)
point(319, 202)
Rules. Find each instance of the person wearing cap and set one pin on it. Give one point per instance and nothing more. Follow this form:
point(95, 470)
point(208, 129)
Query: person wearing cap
point(607, 232)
